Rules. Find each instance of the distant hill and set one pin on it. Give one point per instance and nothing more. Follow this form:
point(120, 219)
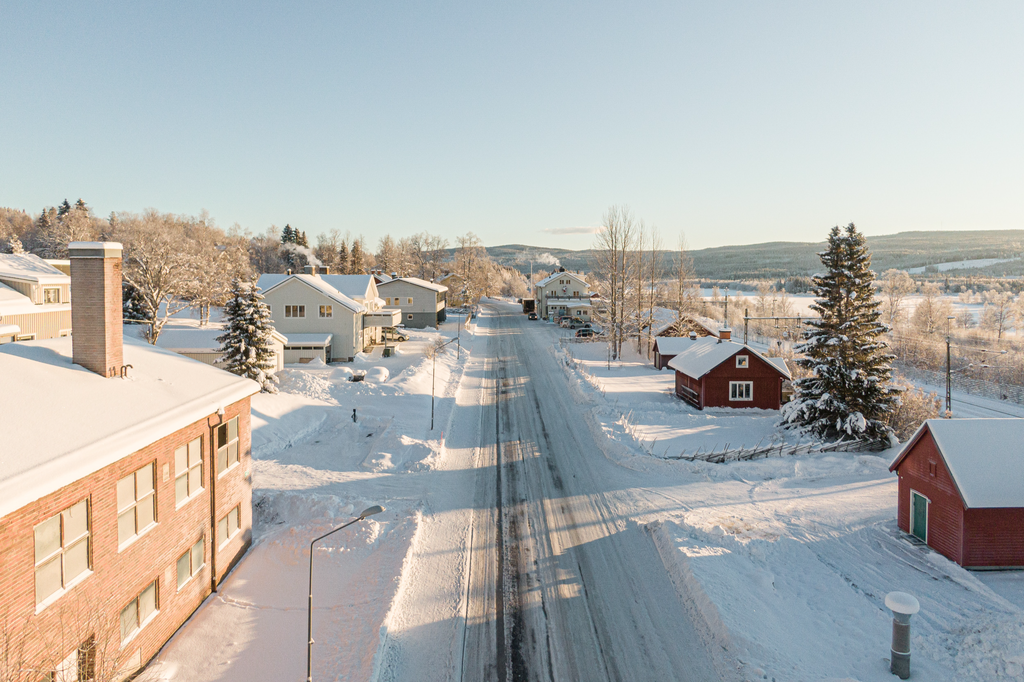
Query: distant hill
point(771, 260)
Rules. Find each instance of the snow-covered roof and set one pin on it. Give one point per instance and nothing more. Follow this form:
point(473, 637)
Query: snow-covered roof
point(62, 422)
point(268, 282)
point(672, 345)
point(356, 287)
point(704, 354)
point(27, 267)
point(665, 318)
point(555, 275)
point(984, 457)
point(9, 329)
point(14, 302)
point(417, 282)
point(310, 339)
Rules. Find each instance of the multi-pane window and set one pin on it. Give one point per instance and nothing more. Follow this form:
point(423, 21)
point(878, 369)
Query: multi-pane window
point(138, 612)
point(136, 504)
point(227, 445)
point(741, 390)
point(190, 563)
point(51, 295)
point(410, 301)
point(326, 311)
point(228, 526)
point(295, 311)
point(62, 550)
point(188, 470)
point(742, 361)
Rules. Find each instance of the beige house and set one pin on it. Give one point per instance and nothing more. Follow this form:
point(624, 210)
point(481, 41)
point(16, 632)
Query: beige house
point(35, 299)
point(563, 294)
point(420, 303)
point(307, 308)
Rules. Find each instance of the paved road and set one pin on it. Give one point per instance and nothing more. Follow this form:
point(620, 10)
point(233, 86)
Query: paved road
point(558, 586)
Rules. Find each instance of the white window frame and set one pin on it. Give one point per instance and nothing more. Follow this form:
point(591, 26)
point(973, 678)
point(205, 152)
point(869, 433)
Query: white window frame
point(65, 544)
point(227, 528)
point(193, 470)
point(227, 452)
point(326, 311)
point(126, 507)
point(927, 510)
point(47, 290)
point(136, 612)
point(194, 569)
point(296, 311)
point(742, 361)
point(736, 392)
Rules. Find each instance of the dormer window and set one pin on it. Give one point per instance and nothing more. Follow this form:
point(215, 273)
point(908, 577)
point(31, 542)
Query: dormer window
point(51, 295)
point(742, 361)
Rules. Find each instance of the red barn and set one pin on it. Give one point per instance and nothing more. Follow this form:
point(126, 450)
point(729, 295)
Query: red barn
point(961, 490)
point(718, 372)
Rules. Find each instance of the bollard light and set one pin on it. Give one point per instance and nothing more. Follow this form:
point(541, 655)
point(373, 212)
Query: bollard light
point(903, 606)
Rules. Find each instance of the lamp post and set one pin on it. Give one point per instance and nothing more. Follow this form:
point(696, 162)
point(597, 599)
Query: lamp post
point(433, 367)
point(375, 509)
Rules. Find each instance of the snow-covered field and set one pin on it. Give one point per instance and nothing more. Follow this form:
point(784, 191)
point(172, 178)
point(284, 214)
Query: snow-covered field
point(791, 558)
point(314, 467)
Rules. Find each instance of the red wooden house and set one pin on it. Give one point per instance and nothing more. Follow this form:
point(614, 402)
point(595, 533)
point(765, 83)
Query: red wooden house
point(718, 372)
point(961, 490)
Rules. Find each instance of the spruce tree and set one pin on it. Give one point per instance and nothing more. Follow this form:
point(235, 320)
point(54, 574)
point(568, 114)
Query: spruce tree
point(247, 343)
point(287, 235)
point(133, 308)
point(300, 239)
point(356, 258)
point(848, 393)
point(343, 259)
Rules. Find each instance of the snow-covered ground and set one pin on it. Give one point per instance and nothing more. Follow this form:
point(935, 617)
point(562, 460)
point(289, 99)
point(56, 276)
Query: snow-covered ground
point(791, 558)
point(960, 265)
point(314, 467)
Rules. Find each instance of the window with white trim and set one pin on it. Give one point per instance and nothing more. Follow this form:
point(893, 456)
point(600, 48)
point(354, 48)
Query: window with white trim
point(228, 526)
point(61, 550)
point(136, 504)
point(741, 390)
point(188, 470)
point(227, 445)
point(51, 295)
point(742, 361)
point(138, 612)
point(295, 311)
point(326, 311)
point(191, 562)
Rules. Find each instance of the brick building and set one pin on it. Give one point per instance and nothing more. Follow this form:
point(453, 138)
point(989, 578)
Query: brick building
point(125, 489)
point(961, 490)
point(718, 372)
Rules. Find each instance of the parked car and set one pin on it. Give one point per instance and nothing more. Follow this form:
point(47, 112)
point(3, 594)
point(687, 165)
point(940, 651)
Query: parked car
point(393, 334)
point(532, 316)
point(584, 332)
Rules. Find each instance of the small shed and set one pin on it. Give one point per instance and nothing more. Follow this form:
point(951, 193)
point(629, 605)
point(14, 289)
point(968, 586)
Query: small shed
point(961, 490)
point(718, 372)
point(667, 347)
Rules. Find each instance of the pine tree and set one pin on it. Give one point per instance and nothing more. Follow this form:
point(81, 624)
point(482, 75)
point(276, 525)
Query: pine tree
point(849, 393)
point(133, 307)
point(246, 343)
point(287, 235)
point(64, 209)
point(343, 259)
point(356, 258)
point(300, 239)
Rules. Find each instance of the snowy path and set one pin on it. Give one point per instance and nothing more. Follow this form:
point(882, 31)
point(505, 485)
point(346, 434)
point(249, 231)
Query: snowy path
point(551, 583)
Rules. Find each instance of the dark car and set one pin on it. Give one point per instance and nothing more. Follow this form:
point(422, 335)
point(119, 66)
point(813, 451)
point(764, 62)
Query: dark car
point(585, 331)
point(532, 316)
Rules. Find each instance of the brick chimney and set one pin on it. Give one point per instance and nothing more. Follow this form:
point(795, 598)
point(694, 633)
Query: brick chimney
point(724, 334)
point(309, 269)
point(96, 334)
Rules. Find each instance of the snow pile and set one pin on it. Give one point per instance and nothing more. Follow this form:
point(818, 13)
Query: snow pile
point(305, 383)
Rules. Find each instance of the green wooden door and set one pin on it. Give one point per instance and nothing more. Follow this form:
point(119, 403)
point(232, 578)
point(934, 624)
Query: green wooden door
point(919, 516)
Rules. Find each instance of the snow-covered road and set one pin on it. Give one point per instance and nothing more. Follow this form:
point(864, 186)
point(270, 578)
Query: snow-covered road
point(552, 582)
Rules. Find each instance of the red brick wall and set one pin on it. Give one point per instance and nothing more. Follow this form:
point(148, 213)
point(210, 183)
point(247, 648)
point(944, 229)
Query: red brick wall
point(767, 384)
point(946, 511)
point(93, 606)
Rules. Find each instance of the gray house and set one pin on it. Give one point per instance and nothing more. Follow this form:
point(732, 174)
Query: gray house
point(321, 322)
point(35, 299)
point(422, 303)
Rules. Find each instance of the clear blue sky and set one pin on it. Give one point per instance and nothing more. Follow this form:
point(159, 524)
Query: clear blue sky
point(735, 122)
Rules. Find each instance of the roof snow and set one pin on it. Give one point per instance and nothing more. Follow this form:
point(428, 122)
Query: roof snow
point(13, 302)
point(702, 355)
point(62, 422)
point(672, 345)
point(310, 339)
point(269, 282)
point(984, 457)
point(555, 275)
point(356, 287)
point(418, 282)
point(28, 267)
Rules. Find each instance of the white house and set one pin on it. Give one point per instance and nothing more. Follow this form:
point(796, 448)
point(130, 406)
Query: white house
point(563, 294)
point(35, 299)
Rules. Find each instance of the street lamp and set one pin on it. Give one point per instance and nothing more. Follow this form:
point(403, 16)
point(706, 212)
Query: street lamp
point(370, 511)
point(433, 366)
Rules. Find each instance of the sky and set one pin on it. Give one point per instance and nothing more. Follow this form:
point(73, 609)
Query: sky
point(728, 122)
